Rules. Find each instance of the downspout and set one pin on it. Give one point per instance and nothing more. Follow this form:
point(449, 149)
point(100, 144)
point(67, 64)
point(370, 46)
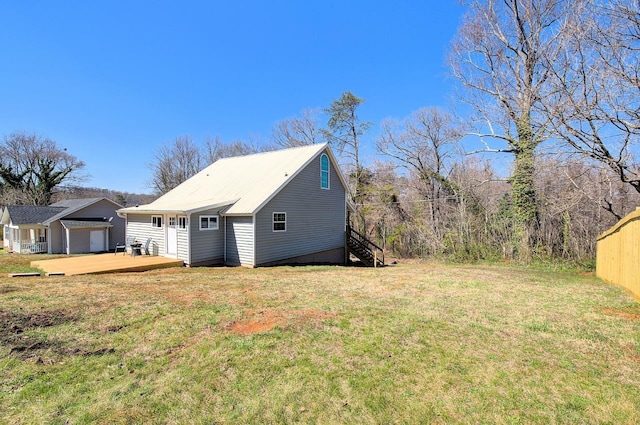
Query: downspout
point(188, 238)
point(253, 217)
point(224, 258)
point(68, 241)
point(126, 225)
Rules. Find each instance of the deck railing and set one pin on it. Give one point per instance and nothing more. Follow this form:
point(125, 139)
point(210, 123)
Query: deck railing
point(29, 247)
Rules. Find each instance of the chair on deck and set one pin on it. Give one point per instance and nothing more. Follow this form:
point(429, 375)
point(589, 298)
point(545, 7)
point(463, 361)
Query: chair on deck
point(145, 247)
point(124, 246)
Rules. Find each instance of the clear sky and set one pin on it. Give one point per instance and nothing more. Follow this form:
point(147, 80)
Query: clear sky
point(113, 80)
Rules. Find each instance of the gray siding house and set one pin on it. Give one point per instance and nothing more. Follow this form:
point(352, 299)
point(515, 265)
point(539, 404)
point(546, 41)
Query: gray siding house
point(281, 207)
point(72, 226)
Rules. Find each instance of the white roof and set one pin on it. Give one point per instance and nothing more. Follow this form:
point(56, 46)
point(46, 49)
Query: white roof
point(243, 183)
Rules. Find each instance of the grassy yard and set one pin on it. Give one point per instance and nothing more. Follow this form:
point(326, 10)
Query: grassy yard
point(412, 343)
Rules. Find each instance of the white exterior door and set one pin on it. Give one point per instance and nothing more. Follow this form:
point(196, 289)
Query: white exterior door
point(172, 236)
point(96, 241)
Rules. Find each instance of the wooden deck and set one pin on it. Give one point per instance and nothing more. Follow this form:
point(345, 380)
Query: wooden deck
point(105, 263)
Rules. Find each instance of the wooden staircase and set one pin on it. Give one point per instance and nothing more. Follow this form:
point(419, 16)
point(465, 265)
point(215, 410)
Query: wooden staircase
point(363, 249)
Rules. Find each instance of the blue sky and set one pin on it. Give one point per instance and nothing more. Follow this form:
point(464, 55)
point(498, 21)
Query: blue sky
point(111, 81)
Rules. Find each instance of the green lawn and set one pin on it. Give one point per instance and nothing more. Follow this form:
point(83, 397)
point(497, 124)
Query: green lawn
point(412, 343)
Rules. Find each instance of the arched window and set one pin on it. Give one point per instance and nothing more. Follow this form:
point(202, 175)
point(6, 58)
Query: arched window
point(324, 171)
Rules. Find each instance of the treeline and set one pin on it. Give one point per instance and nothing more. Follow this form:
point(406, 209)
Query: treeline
point(469, 216)
point(125, 199)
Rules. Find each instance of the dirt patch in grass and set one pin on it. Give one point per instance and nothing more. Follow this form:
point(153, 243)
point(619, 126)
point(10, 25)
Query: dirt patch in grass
point(8, 289)
point(15, 335)
point(14, 326)
point(262, 321)
point(254, 326)
point(630, 314)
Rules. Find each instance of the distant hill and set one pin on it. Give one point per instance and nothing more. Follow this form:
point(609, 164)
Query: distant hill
point(123, 198)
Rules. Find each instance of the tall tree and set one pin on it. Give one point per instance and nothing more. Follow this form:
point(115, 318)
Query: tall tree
point(344, 132)
point(32, 167)
point(500, 55)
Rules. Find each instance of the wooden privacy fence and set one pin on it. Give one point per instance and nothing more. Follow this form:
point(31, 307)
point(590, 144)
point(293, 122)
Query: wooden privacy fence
point(618, 254)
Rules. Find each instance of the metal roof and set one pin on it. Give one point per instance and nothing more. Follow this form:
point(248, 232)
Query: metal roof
point(243, 183)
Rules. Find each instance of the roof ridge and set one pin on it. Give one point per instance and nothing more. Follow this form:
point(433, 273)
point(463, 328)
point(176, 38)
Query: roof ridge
point(271, 152)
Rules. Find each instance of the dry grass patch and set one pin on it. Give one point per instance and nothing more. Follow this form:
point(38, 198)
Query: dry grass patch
point(419, 343)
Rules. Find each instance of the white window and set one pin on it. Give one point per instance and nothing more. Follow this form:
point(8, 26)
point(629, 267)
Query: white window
point(208, 222)
point(156, 221)
point(324, 171)
point(182, 222)
point(279, 222)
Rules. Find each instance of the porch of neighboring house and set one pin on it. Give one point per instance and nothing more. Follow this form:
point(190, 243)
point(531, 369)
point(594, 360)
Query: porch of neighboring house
point(31, 240)
point(105, 263)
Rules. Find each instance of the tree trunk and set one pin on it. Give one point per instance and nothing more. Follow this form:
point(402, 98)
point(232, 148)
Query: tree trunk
point(523, 191)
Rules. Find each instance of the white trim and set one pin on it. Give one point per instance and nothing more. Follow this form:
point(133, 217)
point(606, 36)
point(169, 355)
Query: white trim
point(153, 222)
point(186, 222)
point(254, 248)
point(167, 228)
point(224, 256)
point(189, 256)
point(209, 217)
point(147, 211)
point(324, 155)
point(273, 222)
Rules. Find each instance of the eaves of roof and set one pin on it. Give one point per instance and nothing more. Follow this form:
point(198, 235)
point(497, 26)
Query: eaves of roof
point(85, 224)
point(177, 209)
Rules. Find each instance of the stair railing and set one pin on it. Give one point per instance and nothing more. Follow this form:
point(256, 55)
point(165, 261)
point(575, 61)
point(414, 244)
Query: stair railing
point(356, 239)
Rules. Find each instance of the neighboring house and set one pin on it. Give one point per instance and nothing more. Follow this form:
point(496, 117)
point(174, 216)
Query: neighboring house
point(72, 226)
point(287, 206)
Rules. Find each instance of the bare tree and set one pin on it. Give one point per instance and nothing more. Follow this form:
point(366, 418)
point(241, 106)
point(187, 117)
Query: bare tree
point(174, 163)
point(424, 144)
point(32, 167)
point(499, 55)
point(596, 107)
point(576, 201)
point(297, 131)
point(215, 149)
